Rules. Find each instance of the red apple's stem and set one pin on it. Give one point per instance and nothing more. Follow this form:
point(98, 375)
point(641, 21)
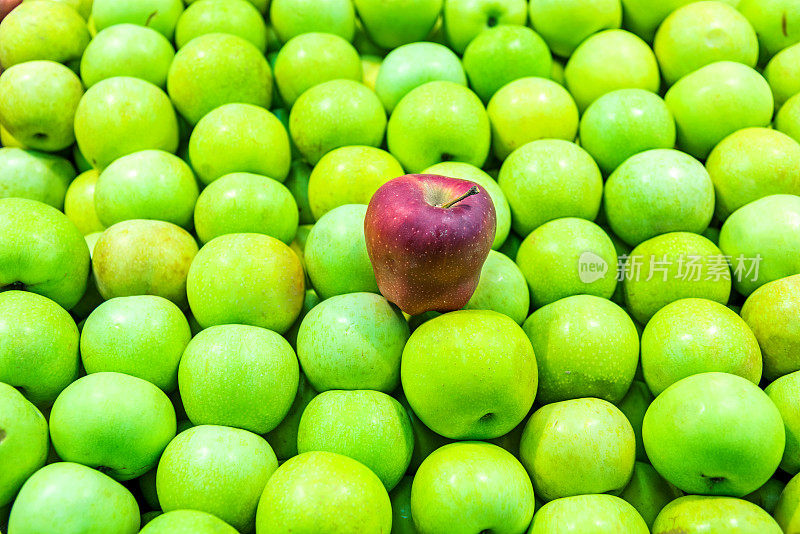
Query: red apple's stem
point(472, 191)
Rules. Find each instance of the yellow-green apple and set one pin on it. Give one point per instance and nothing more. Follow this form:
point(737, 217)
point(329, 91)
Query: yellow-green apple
point(585, 346)
point(236, 17)
point(121, 115)
point(353, 341)
point(501, 288)
point(589, 435)
point(42, 251)
point(240, 376)
point(216, 469)
point(471, 487)
point(428, 237)
point(283, 438)
point(39, 103)
point(127, 50)
point(784, 392)
point(311, 59)
point(700, 513)
point(439, 121)
point(142, 336)
point(77, 499)
point(161, 15)
point(598, 514)
point(775, 22)
point(24, 443)
point(566, 24)
point(787, 511)
point(483, 380)
point(143, 257)
point(187, 522)
point(216, 69)
point(783, 74)
point(293, 17)
point(251, 279)
point(697, 452)
point(648, 492)
point(317, 124)
point(323, 492)
point(35, 176)
point(241, 202)
point(634, 405)
point(691, 336)
point(368, 426)
point(239, 138)
point(465, 19)
point(393, 23)
point(261, 5)
point(116, 423)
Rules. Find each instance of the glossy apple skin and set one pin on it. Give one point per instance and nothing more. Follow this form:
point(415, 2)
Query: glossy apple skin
point(427, 257)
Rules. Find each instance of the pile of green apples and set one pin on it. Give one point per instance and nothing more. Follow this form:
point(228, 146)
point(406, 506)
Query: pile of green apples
point(192, 337)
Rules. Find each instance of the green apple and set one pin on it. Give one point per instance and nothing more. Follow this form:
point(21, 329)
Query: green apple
point(783, 74)
point(261, 5)
point(239, 138)
point(127, 50)
point(336, 253)
point(656, 192)
point(142, 336)
point(501, 288)
point(716, 100)
point(411, 65)
point(643, 17)
point(317, 124)
point(648, 492)
point(768, 311)
point(122, 115)
point(349, 175)
point(439, 121)
point(368, 426)
point(116, 423)
point(634, 405)
point(323, 492)
point(503, 54)
point(188, 522)
point(585, 346)
point(775, 23)
point(76, 499)
point(43, 30)
point(283, 438)
point(761, 238)
point(143, 257)
point(701, 33)
point(353, 341)
point(151, 184)
point(402, 522)
point(787, 511)
point(290, 18)
point(590, 436)
point(784, 392)
point(465, 19)
point(607, 61)
point(297, 182)
point(691, 336)
point(767, 495)
point(688, 437)
point(750, 164)
point(239, 376)
point(39, 103)
point(79, 203)
point(246, 203)
point(528, 109)
point(598, 514)
point(471, 487)
point(216, 469)
point(236, 17)
point(671, 267)
point(250, 279)
point(24, 444)
point(311, 59)
point(565, 24)
point(35, 176)
point(548, 179)
point(41, 251)
point(483, 380)
point(699, 513)
point(83, 7)
point(625, 122)
point(161, 15)
point(425, 440)
point(392, 23)
point(568, 256)
point(216, 69)
point(787, 120)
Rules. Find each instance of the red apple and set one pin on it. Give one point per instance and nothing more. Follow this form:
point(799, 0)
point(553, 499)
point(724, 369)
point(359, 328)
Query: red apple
point(6, 6)
point(427, 238)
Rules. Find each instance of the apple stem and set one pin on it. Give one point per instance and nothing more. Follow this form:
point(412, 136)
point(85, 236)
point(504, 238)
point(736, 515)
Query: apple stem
point(472, 191)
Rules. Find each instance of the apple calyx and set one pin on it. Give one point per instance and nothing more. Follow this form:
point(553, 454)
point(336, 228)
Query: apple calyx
point(472, 191)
